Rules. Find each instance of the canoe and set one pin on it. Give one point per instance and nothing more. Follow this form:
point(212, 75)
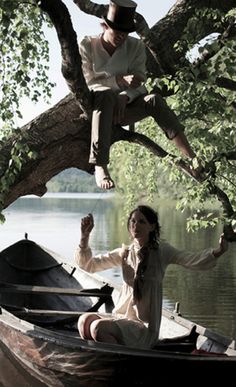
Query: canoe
point(41, 299)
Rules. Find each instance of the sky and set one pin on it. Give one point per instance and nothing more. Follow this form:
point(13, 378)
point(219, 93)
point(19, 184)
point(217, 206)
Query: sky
point(83, 24)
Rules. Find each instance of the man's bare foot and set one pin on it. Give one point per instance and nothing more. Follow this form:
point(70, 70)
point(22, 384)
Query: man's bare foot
point(103, 178)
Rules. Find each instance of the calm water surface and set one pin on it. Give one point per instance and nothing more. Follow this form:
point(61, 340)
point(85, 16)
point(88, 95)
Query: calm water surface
point(208, 298)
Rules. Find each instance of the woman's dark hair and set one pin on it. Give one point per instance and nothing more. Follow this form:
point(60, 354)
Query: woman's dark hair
point(152, 218)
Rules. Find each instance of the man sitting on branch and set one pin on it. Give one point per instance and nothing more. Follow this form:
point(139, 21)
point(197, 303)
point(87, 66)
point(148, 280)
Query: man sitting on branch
point(114, 67)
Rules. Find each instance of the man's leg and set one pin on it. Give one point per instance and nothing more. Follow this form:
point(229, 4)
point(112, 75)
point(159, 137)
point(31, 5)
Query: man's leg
point(103, 106)
point(155, 106)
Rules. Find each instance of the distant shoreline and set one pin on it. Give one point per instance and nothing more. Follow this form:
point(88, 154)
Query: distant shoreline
point(72, 195)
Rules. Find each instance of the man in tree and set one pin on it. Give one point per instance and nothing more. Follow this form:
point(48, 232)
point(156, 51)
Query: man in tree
point(114, 67)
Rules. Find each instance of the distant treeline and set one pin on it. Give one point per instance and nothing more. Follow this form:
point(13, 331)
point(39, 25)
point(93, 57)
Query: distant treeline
point(73, 180)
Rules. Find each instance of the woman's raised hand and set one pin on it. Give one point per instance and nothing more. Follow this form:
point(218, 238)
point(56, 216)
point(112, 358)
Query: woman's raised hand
point(87, 224)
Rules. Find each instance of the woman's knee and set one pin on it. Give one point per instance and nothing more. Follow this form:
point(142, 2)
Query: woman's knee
point(105, 330)
point(84, 324)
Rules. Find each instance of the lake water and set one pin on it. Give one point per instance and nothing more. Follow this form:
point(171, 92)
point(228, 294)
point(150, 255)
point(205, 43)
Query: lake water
point(208, 298)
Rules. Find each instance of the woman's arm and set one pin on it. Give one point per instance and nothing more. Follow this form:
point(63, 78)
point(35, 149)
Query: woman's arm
point(194, 260)
point(87, 224)
point(83, 254)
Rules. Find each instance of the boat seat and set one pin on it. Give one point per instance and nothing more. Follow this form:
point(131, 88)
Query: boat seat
point(65, 323)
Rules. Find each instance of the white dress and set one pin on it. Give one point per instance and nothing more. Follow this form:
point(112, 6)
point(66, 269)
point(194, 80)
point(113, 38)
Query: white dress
point(140, 323)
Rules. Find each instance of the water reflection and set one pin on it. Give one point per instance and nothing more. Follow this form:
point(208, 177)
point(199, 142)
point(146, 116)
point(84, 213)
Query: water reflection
point(207, 297)
point(55, 222)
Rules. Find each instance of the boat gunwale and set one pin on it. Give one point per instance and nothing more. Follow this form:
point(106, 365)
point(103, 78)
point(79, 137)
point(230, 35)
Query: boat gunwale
point(62, 339)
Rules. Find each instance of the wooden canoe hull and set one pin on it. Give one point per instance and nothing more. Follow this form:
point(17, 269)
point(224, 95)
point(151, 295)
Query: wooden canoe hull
point(58, 359)
point(57, 356)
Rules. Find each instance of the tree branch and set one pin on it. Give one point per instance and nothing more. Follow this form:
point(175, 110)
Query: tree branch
point(229, 232)
point(71, 60)
point(226, 83)
point(167, 31)
point(141, 139)
point(92, 8)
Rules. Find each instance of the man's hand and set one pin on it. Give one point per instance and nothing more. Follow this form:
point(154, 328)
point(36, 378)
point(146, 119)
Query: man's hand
point(125, 81)
point(132, 81)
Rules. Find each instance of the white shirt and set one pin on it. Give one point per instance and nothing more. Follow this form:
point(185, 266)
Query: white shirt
point(100, 69)
point(149, 308)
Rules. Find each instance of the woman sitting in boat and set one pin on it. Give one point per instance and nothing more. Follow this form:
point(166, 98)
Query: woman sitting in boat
point(138, 310)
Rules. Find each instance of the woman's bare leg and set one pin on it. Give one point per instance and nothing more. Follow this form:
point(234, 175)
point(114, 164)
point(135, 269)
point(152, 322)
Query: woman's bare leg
point(105, 330)
point(84, 324)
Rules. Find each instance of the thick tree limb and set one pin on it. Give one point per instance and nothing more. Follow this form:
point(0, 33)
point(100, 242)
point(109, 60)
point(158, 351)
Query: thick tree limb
point(61, 140)
point(71, 60)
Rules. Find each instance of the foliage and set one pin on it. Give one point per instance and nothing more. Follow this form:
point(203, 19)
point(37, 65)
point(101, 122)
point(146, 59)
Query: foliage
point(24, 58)
point(206, 111)
point(143, 177)
point(20, 154)
point(23, 73)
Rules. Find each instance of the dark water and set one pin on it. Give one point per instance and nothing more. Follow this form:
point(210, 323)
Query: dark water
point(208, 298)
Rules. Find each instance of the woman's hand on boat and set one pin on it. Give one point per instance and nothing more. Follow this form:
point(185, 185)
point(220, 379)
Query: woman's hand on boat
point(87, 224)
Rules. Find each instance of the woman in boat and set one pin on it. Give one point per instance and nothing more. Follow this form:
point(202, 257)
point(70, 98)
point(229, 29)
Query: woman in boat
point(138, 310)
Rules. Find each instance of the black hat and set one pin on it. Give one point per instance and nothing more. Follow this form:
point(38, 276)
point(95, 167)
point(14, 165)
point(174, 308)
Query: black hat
point(120, 15)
